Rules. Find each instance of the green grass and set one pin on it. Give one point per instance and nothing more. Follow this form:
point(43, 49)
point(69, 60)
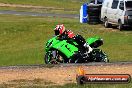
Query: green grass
point(38, 83)
point(54, 6)
point(94, 86)
point(22, 83)
point(23, 38)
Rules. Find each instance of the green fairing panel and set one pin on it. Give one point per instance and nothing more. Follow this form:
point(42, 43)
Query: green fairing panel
point(92, 40)
point(63, 46)
point(51, 42)
point(66, 48)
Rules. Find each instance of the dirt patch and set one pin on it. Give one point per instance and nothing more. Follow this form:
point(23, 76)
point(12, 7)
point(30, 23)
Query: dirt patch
point(23, 6)
point(58, 75)
point(31, 6)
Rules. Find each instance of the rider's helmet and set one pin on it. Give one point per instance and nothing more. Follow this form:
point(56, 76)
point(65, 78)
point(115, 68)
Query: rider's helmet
point(59, 29)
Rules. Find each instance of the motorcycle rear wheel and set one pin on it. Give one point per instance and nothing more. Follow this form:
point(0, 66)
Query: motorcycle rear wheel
point(99, 56)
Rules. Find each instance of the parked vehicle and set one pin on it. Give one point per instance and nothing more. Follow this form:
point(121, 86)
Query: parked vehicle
point(68, 51)
point(117, 12)
point(90, 12)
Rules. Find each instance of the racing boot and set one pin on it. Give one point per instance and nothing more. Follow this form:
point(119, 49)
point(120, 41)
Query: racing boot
point(88, 48)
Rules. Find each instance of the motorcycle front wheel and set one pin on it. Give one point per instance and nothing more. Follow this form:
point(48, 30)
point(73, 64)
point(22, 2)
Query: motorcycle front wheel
point(54, 57)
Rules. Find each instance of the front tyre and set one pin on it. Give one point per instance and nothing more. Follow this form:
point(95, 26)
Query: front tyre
point(54, 57)
point(106, 23)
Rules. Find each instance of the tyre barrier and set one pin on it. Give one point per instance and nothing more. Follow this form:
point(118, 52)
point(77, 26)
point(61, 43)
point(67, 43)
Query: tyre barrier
point(94, 12)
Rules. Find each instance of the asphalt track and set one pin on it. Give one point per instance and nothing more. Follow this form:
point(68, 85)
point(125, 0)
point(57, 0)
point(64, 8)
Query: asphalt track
point(38, 14)
point(66, 65)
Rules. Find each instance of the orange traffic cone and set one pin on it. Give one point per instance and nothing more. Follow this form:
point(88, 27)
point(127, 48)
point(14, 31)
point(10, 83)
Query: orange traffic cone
point(81, 71)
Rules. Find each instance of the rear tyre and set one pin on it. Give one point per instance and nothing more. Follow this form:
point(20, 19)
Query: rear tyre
point(99, 56)
point(120, 26)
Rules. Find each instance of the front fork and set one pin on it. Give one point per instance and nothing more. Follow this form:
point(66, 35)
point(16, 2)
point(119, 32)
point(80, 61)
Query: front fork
point(54, 53)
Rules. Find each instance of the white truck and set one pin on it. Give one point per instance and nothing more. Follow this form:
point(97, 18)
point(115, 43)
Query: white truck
point(117, 12)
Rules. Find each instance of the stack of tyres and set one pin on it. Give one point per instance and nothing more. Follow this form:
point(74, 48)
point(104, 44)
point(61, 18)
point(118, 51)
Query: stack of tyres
point(94, 12)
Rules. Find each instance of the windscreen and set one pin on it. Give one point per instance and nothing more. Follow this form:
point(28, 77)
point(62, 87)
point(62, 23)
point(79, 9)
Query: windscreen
point(129, 5)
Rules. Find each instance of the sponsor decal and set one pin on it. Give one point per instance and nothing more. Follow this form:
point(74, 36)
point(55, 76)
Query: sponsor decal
point(101, 78)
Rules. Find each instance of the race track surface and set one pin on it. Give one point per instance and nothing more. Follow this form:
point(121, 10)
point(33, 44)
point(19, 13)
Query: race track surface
point(60, 74)
point(39, 14)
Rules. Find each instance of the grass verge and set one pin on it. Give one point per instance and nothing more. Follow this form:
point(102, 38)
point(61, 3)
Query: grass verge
point(39, 83)
point(69, 6)
point(95, 86)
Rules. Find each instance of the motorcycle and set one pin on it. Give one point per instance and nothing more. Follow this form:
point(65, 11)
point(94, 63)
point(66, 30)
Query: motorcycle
point(68, 51)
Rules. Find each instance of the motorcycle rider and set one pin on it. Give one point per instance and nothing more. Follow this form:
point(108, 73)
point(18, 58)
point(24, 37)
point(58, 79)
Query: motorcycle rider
point(63, 34)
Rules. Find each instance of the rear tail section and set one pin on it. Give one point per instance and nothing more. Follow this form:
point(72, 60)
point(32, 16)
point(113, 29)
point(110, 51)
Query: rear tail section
point(95, 42)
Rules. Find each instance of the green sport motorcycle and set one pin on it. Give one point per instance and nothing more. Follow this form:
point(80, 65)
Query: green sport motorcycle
point(68, 51)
